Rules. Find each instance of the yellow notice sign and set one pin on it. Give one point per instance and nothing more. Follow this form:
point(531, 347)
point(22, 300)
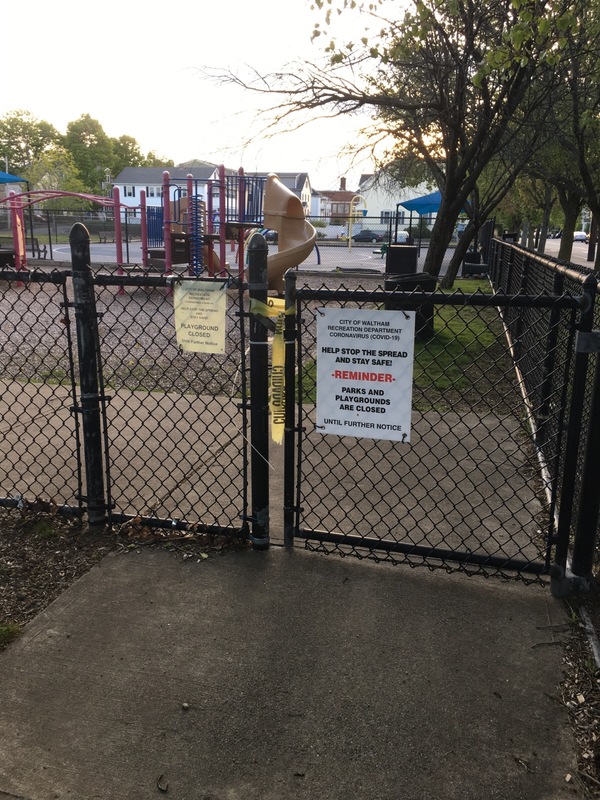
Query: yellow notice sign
point(200, 315)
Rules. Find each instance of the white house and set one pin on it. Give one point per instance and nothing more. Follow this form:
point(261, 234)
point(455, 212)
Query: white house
point(382, 198)
point(133, 179)
point(297, 182)
point(333, 203)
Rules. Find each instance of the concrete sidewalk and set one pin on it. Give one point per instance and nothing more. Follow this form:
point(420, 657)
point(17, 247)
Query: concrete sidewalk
point(306, 677)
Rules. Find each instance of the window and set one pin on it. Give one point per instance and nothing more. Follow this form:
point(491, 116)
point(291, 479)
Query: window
point(385, 216)
point(129, 191)
point(340, 209)
point(152, 191)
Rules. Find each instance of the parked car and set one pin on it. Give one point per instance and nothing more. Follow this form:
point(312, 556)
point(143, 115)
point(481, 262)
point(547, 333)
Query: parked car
point(271, 236)
point(580, 236)
point(367, 236)
point(402, 237)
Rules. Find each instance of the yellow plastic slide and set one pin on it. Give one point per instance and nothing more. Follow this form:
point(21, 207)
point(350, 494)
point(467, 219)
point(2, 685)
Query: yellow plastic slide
point(295, 235)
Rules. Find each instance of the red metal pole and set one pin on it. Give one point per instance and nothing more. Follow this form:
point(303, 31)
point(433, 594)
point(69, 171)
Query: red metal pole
point(117, 215)
point(144, 228)
point(210, 227)
point(15, 232)
point(241, 218)
point(21, 218)
point(167, 223)
point(222, 218)
point(190, 226)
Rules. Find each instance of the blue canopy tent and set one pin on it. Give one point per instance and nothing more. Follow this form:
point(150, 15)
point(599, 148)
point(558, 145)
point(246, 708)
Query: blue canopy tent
point(427, 204)
point(6, 177)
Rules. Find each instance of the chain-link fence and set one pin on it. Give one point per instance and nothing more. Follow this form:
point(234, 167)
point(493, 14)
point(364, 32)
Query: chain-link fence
point(177, 440)
point(39, 430)
point(495, 475)
point(174, 449)
point(546, 357)
point(473, 488)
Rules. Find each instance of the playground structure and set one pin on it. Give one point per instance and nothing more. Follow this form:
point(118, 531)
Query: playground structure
point(192, 230)
point(296, 236)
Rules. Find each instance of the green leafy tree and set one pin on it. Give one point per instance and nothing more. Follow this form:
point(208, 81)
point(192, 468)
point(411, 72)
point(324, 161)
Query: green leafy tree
point(455, 82)
point(92, 151)
point(55, 171)
point(126, 153)
point(23, 139)
point(556, 166)
point(582, 49)
point(153, 160)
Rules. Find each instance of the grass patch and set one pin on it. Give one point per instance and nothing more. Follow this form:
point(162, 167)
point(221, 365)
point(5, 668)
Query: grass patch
point(463, 336)
point(8, 633)
point(55, 377)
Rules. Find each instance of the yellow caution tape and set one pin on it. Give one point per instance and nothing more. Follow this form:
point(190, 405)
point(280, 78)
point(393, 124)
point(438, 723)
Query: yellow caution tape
point(275, 308)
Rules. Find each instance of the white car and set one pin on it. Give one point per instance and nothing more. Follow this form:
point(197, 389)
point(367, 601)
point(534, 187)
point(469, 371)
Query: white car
point(580, 236)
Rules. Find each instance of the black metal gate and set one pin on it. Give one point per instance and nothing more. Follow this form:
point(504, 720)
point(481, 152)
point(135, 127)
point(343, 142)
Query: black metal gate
point(39, 424)
point(175, 443)
point(102, 413)
point(479, 485)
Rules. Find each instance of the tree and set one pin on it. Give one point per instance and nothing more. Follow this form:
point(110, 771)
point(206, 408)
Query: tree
point(582, 50)
point(126, 153)
point(453, 81)
point(556, 166)
point(55, 170)
point(92, 151)
point(153, 160)
point(23, 139)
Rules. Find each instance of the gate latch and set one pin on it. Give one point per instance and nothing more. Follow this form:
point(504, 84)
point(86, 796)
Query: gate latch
point(588, 342)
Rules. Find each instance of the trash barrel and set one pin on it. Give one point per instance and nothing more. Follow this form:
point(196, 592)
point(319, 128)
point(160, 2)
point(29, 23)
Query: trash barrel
point(472, 264)
point(420, 282)
point(180, 248)
point(7, 257)
point(401, 259)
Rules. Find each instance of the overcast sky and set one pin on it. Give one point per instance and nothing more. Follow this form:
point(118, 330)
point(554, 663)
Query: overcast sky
point(134, 66)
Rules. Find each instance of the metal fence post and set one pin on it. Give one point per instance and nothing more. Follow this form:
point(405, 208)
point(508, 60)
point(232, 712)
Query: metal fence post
point(290, 333)
point(562, 584)
point(259, 393)
point(86, 319)
point(584, 540)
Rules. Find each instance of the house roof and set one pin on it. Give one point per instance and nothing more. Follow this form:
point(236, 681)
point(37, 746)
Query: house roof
point(154, 175)
point(337, 196)
point(196, 163)
point(293, 180)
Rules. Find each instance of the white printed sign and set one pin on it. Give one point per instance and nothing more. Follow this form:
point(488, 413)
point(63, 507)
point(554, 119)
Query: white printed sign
point(200, 315)
point(364, 373)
